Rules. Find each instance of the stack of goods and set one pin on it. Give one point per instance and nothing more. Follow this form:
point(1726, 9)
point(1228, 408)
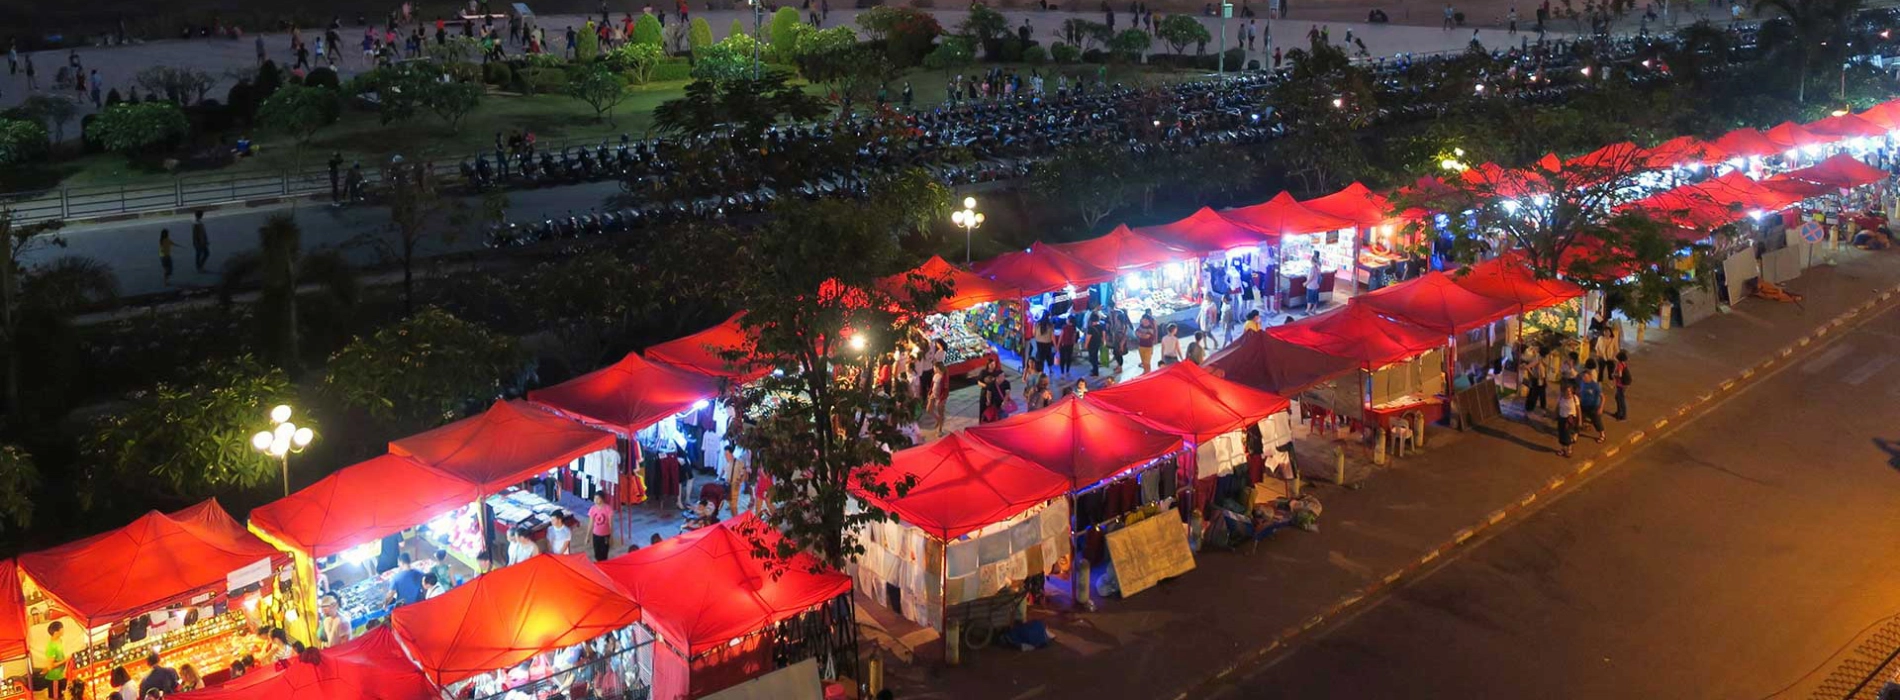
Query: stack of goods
point(1158, 302)
point(957, 335)
point(1001, 324)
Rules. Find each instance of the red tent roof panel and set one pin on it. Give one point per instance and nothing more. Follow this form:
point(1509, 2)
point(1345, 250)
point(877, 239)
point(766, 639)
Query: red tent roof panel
point(628, 395)
point(1123, 250)
point(961, 486)
point(702, 352)
point(505, 616)
point(1184, 399)
point(1435, 302)
point(1683, 150)
point(1077, 439)
point(1041, 269)
point(1355, 203)
point(1264, 362)
point(503, 446)
point(113, 575)
point(1284, 215)
point(1204, 231)
point(1744, 143)
point(1846, 126)
point(1840, 170)
point(1358, 333)
point(707, 587)
point(361, 503)
point(1507, 278)
point(1789, 135)
point(967, 288)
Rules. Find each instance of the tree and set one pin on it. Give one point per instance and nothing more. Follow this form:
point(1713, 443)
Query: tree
point(1324, 101)
point(600, 87)
point(419, 216)
point(1093, 180)
point(138, 129)
point(452, 101)
point(906, 32)
point(188, 440)
point(56, 111)
point(737, 28)
point(1130, 45)
point(636, 60)
point(699, 36)
point(1084, 33)
point(17, 240)
point(647, 31)
point(397, 91)
point(823, 319)
point(1816, 34)
point(21, 140)
point(951, 53)
point(834, 58)
point(743, 106)
point(587, 44)
point(426, 370)
point(984, 24)
point(1181, 31)
point(19, 482)
point(180, 85)
point(786, 30)
point(279, 267)
point(300, 112)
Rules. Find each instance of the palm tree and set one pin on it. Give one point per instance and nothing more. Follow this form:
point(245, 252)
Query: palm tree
point(1815, 29)
point(279, 267)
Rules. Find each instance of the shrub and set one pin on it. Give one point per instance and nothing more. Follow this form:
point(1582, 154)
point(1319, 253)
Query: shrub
point(726, 60)
point(1130, 45)
point(636, 61)
point(673, 70)
point(543, 81)
point(1035, 55)
point(647, 30)
point(587, 45)
point(1009, 50)
point(460, 72)
point(907, 32)
point(737, 29)
point(498, 74)
point(139, 128)
point(700, 36)
point(952, 53)
point(21, 140)
point(1065, 53)
point(322, 77)
point(785, 29)
point(1094, 56)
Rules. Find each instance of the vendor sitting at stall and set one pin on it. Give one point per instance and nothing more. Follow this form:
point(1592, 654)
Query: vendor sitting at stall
point(703, 515)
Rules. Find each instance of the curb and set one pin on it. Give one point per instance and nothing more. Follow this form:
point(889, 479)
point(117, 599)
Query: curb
point(1524, 503)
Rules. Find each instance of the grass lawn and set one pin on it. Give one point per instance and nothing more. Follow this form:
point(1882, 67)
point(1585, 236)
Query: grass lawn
point(554, 119)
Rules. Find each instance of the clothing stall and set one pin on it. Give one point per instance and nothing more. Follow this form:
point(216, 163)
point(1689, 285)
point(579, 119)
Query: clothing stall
point(724, 351)
point(1053, 286)
point(1234, 259)
point(1154, 278)
point(645, 405)
point(976, 313)
point(1400, 382)
point(1300, 235)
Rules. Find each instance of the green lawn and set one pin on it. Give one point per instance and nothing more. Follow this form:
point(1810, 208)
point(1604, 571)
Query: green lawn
point(553, 119)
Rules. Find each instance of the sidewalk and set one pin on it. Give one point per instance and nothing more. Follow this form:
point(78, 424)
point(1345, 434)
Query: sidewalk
point(1168, 639)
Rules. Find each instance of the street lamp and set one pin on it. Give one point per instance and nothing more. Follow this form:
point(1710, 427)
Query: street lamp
point(758, 16)
point(283, 439)
point(1220, 64)
point(970, 220)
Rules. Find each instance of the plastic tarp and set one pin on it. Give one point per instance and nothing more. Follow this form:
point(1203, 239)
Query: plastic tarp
point(1264, 362)
point(1041, 269)
point(370, 667)
point(1681, 151)
point(1506, 277)
point(1283, 216)
point(12, 612)
point(1746, 143)
point(361, 503)
point(158, 557)
point(1077, 439)
point(967, 288)
point(507, 615)
point(1840, 170)
point(503, 446)
point(1186, 400)
point(1359, 333)
point(707, 587)
point(1789, 135)
point(1123, 250)
point(628, 395)
point(1355, 203)
point(1846, 126)
point(703, 352)
point(961, 485)
point(1204, 231)
point(1434, 301)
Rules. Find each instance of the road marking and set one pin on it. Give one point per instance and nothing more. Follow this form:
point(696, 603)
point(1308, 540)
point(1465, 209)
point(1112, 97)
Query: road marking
point(1867, 370)
point(1827, 357)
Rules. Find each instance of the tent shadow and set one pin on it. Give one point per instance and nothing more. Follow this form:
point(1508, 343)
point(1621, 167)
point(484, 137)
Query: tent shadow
point(1495, 433)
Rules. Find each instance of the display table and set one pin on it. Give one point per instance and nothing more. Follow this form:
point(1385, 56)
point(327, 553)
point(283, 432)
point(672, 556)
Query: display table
point(1384, 415)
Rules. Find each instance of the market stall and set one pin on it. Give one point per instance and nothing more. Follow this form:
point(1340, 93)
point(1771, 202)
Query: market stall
point(1745, 148)
point(1383, 250)
point(1154, 278)
point(1051, 284)
point(1401, 381)
point(14, 672)
point(1434, 301)
point(1683, 153)
point(977, 312)
point(496, 452)
point(1232, 256)
point(956, 537)
point(721, 616)
point(343, 533)
point(1796, 142)
point(371, 667)
point(649, 406)
point(1302, 236)
point(1262, 361)
point(549, 624)
point(190, 586)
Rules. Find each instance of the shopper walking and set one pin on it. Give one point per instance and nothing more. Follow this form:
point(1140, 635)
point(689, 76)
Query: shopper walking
point(200, 241)
point(1530, 379)
point(1097, 340)
point(56, 659)
point(1045, 347)
point(1065, 344)
point(1590, 400)
point(1567, 410)
point(1620, 377)
point(165, 246)
point(1145, 339)
point(1171, 345)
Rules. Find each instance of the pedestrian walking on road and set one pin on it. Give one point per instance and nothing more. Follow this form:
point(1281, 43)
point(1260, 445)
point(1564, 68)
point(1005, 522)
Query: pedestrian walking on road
point(336, 177)
point(1567, 410)
point(1530, 379)
point(32, 76)
point(1620, 377)
point(200, 241)
point(13, 57)
point(96, 85)
point(1590, 400)
point(165, 245)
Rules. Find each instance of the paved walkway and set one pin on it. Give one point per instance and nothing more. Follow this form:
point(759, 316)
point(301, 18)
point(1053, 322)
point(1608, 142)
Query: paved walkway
point(1163, 641)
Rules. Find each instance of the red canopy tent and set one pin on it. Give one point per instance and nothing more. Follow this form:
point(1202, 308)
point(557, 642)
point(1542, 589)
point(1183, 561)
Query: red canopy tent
point(1077, 439)
point(967, 288)
point(370, 667)
point(1789, 135)
point(1617, 156)
point(961, 486)
point(1188, 401)
point(1040, 269)
point(508, 615)
point(704, 589)
point(1204, 231)
point(1687, 207)
point(1492, 179)
point(151, 561)
point(1355, 203)
point(1737, 192)
point(1358, 333)
point(1846, 126)
point(1507, 278)
point(1747, 143)
point(1885, 115)
point(1683, 150)
point(361, 503)
point(702, 352)
point(1264, 362)
point(12, 612)
point(1434, 301)
point(628, 395)
point(1123, 250)
point(503, 446)
point(1284, 215)
point(1840, 170)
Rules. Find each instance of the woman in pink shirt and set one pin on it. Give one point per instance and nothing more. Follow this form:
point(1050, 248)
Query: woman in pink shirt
point(600, 519)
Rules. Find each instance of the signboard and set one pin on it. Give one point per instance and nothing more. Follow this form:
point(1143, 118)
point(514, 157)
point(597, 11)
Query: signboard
point(1697, 303)
point(1813, 232)
point(1477, 404)
point(250, 574)
point(1226, 10)
point(1149, 551)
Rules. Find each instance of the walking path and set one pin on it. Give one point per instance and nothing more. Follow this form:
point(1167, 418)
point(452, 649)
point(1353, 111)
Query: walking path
point(1161, 642)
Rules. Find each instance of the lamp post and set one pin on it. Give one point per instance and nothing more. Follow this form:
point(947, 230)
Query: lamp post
point(758, 16)
point(1220, 63)
point(283, 439)
point(970, 220)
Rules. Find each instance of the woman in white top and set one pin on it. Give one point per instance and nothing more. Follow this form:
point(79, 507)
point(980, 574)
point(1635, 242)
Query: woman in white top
point(520, 547)
point(559, 535)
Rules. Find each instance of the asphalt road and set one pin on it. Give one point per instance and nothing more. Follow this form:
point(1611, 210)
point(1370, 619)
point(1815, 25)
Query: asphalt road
point(1723, 561)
